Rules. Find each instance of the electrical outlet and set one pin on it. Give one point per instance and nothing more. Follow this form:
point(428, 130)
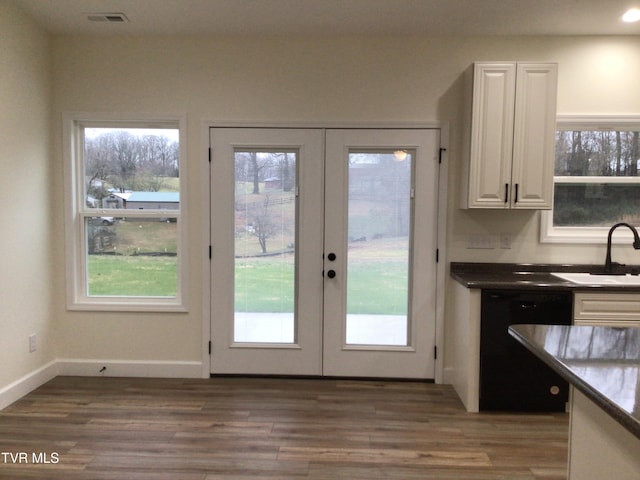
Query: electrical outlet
point(32, 343)
point(506, 239)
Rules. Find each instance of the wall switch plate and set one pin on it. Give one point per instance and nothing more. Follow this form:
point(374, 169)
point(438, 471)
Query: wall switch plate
point(32, 343)
point(481, 241)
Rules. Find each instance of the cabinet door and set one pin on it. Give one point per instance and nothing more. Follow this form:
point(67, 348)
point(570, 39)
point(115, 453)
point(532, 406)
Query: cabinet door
point(606, 309)
point(491, 135)
point(534, 136)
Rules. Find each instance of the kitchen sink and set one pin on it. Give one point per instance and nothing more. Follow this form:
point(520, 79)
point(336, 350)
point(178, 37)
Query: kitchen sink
point(593, 279)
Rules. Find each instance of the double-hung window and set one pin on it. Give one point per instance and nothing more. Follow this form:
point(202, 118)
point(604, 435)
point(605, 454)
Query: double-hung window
point(596, 179)
point(125, 213)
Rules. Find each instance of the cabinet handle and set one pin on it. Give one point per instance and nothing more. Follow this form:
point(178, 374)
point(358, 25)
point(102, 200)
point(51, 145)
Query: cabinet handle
point(506, 193)
point(516, 199)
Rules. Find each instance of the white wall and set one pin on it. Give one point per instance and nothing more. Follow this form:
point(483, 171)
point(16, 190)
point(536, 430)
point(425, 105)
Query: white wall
point(351, 79)
point(27, 245)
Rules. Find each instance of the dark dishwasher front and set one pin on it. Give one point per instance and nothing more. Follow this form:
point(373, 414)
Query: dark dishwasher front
point(511, 377)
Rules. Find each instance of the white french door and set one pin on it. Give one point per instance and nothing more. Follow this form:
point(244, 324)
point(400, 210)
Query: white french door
point(324, 251)
point(266, 236)
point(381, 205)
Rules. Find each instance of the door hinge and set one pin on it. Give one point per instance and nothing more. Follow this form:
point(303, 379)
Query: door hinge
point(209, 347)
point(440, 154)
point(435, 352)
point(209, 154)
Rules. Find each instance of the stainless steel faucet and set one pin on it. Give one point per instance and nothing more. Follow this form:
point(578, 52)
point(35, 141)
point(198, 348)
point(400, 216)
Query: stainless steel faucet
point(613, 267)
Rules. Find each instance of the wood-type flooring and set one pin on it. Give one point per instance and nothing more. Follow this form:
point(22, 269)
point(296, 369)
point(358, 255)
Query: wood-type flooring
point(250, 428)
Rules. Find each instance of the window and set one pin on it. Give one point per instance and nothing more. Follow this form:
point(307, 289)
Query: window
point(596, 180)
point(125, 214)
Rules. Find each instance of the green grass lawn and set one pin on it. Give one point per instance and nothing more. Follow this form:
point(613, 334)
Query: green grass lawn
point(262, 284)
point(377, 288)
point(267, 285)
point(123, 275)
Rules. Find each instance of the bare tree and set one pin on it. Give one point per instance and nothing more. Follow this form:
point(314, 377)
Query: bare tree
point(634, 156)
point(256, 168)
point(264, 225)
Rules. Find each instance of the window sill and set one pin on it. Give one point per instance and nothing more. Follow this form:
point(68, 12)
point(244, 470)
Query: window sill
point(577, 235)
point(124, 306)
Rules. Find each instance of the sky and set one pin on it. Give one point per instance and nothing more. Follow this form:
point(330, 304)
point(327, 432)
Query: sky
point(172, 133)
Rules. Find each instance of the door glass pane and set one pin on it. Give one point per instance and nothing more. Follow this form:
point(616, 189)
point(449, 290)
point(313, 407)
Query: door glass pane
point(265, 237)
point(379, 232)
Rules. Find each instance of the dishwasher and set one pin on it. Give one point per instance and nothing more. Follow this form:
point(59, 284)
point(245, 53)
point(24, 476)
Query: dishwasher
point(511, 377)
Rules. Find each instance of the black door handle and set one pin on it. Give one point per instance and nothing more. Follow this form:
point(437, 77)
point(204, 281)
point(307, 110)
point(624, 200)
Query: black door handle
point(331, 257)
point(331, 273)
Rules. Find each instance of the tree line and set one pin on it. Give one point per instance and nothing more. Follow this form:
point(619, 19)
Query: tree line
point(121, 161)
point(597, 153)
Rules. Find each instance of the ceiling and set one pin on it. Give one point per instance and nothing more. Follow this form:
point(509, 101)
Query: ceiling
point(336, 17)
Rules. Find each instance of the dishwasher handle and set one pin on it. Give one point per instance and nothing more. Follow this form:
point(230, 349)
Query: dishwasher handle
point(528, 305)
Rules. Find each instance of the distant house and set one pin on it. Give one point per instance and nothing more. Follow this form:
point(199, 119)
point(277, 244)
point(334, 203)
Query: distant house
point(156, 200)
point(272, 183)
point(115, 200)
point(142, 200)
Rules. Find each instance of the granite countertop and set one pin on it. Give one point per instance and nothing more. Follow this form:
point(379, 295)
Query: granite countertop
point(518, 276)
point(602, 362)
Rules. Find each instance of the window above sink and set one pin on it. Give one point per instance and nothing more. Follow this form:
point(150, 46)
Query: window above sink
point(596, 179)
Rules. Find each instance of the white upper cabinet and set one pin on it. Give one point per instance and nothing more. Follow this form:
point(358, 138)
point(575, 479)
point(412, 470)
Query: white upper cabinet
point(512, 136)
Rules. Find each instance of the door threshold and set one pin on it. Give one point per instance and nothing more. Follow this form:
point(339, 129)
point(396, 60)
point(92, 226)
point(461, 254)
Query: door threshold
point(320, 377)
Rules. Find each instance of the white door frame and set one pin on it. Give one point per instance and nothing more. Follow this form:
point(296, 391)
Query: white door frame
point(205, 222)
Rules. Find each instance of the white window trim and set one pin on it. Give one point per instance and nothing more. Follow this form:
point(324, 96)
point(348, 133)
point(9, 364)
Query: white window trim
point(77, 298)
point(587, 235)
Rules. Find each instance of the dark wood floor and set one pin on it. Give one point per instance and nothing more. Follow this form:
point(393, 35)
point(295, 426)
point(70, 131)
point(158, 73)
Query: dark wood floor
point(248, 428)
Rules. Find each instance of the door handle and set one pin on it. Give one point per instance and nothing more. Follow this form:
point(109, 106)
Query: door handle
point(331, 273)
point(331, 257)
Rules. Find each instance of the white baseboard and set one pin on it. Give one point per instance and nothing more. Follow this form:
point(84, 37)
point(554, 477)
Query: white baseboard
point(128, 368)
point(91, 368)
point(18, 389)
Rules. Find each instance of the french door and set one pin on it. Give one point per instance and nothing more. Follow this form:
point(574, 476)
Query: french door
point(324, 251)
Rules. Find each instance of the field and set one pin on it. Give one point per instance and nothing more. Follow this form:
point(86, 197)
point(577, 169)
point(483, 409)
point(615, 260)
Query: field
point(140, 258)
point(263, 284)
point(129, 275)
point(377, 281)
point(140, 261)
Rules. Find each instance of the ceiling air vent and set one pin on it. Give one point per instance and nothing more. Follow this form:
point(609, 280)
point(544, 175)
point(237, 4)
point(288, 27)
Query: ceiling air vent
point(107, 17)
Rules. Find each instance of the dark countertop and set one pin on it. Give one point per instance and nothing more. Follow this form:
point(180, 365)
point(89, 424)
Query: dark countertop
point(602, 362)
point(527, 276)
